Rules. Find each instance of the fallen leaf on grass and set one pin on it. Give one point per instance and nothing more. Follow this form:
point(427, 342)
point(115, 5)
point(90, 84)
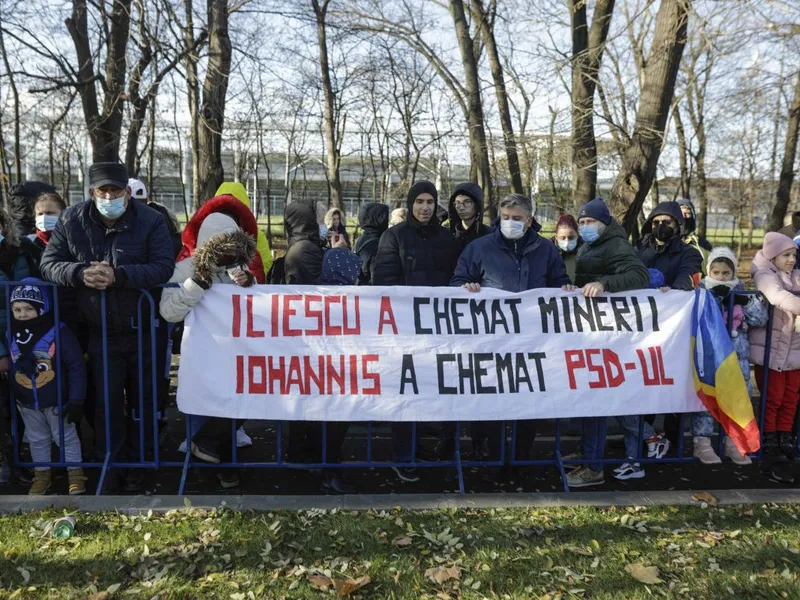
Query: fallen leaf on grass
point(439, 575)
point(320, 581)
point(402, 541)
point(26, 575)
point(98, 596)
point(705, 497)
point(113, 587)
point(581, 551)
point(345, 587)
point(644, 574)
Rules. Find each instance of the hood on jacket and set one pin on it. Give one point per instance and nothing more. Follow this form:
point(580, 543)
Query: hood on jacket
point(373, 217)
point(300, 223)
point(228, 205)
point(472, 190)
point(224, 248)
point(35, 292)
point(691, 223)
point(235, 189)
point(671, 209)
point(21, 199)
point(328, 218)
point(214, 224)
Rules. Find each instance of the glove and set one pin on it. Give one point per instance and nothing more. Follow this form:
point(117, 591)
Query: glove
point(73, 413)
point(741, 300)
point(721, 291)
point(202, 282)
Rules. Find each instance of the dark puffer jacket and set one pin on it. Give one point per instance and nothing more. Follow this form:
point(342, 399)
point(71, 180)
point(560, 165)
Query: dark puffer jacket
point(21, 200)
point(415, 254)
point(514, 266)
point(477, 229)
point(137, 245)
point(303, 261)
point(680, 263)
point(373, 218)
point(612, 261)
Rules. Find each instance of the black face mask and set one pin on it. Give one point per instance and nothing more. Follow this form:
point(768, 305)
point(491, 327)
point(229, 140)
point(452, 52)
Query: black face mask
point(663, 232)
point(688, 224)
point(721, 291)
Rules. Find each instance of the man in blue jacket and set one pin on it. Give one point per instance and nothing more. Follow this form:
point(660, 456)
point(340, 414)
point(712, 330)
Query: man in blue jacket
point(109, 247)
point(514, 258)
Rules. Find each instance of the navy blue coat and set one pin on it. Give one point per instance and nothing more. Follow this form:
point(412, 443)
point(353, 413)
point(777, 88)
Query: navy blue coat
point(530, 263)
point(138, 246)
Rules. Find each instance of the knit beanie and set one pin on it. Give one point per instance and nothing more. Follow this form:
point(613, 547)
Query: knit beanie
point(33, 295)
point(775, 243)
point(421, 187)
point(595, 209)
point(720, 252)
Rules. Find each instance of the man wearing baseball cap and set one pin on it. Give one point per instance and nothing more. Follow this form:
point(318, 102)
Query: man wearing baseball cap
point(111, 248)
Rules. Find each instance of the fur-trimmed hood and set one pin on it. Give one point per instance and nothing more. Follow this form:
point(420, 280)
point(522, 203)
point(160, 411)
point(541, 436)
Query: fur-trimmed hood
point(223, 250)
point(232, 207)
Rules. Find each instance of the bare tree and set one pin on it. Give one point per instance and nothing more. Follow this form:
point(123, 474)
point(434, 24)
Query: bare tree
point(641, 158)
point(787, 166)
point(587, 52)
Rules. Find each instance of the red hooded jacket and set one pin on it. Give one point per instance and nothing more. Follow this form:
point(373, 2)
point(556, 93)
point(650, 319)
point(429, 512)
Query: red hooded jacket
point(232, 207)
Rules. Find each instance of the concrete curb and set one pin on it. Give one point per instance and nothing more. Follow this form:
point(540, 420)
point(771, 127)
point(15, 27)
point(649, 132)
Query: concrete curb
point(137, 504)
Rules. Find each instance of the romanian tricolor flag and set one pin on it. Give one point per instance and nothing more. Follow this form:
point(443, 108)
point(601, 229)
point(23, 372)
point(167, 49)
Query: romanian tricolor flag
point(718, 379)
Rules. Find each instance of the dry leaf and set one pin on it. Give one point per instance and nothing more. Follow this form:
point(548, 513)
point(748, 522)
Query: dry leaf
point(644, 574)
point(705, 497)
point(347, 586)
point(441, 574)
point(402, 541)
point(99, 596)
point(320, 581)
point(581, 551)
point(113, 587)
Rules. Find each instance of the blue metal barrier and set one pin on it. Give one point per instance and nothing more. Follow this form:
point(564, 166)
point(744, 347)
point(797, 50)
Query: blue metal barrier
point(147, 422)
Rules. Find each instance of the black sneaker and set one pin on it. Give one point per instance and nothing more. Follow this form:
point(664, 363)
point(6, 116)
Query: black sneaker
point(23, 475)
point(337, 485)
point(134, 480)
point(787, 445)
point(204, 453)
point(407, 474)
point(781, 472)
point(228, 478)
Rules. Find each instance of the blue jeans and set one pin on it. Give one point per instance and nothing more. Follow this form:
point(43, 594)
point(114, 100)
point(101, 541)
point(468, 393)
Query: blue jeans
point(593, 432)
point(633, 443)
point(702, 424)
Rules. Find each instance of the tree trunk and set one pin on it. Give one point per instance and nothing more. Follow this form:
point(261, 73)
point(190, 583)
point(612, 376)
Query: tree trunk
point(641, 158)
point(479, 150)
point(15, 95)
point(193, 98)
point(587, 53)
point(684, 189)
point(787, 167)
point(103, 125)
point(212, 112)
point(486, 22)
point(331, 131)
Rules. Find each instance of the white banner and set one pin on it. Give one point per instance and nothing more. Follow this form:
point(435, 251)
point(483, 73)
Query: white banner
point(434, 354)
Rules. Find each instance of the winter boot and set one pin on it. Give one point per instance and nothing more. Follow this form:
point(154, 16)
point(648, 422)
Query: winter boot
point(786, 442)
point(41, 483)
point(732, 452)
point(77, 482)
point(781, 472)
point(703, 451)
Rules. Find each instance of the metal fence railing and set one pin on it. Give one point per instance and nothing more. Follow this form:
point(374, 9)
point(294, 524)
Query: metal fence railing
point(139, 446)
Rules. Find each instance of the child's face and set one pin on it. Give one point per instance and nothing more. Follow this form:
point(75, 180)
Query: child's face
point(785, 261)
point(23, 311)
point(720, 271)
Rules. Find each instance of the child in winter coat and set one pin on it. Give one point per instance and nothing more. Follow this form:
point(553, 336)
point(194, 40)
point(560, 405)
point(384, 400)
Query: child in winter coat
point(34, 371)
point(221, 256)
point(748, 312)
point(775, 277)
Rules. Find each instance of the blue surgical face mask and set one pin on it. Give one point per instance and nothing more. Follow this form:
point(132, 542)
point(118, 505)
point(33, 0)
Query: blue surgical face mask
point(568, 245)
point(46, 222)
point(512, 230)
point(2, 237)
point(110, 209)
point(323, 231)
point(589, 233)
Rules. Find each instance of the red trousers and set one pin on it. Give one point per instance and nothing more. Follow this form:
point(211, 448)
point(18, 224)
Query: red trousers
point(783, 391)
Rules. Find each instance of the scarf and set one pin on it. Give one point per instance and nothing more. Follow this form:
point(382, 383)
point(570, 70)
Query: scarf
point(44, 236)
point(26, 334)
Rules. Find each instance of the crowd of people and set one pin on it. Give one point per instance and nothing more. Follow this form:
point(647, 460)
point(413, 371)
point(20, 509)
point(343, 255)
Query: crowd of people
point(72, 341)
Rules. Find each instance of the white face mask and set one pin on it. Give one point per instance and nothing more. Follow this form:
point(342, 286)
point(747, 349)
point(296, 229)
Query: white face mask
point(710, 283)
point(512, 230)
point(46, 222)
point(567, 245)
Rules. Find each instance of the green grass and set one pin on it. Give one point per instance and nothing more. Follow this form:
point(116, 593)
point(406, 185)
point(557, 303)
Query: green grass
point(700, 552)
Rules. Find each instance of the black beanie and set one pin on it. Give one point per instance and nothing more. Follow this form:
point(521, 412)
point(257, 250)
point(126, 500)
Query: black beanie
point(421, 187)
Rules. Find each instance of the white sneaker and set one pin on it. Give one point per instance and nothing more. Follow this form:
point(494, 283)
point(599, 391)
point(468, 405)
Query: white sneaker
point(703, 451)
point(242, 439)
point(629, 471)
